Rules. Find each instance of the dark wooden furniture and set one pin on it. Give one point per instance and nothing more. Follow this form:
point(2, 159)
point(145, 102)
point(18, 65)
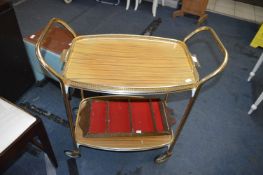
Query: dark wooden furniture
point(53, 48)
point(15, 71)
point(33, 128)
point(194, 7)
point(253, 2)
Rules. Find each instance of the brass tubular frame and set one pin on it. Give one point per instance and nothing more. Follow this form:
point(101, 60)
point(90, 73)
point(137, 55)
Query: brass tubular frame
point(64, 89)
point(219, 44)
point(192, 100)
point(82, 94)
point(41, 39)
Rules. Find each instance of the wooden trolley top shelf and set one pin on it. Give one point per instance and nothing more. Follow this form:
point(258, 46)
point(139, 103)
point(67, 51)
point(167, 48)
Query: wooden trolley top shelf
point(129, 64)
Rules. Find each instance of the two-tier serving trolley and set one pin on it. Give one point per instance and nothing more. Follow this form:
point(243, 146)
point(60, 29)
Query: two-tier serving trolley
point(128, 68)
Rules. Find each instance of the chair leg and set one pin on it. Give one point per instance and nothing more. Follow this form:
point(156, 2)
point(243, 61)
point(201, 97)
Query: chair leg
point(127, 4)
point(255, 105)
point(259, 62)
point(42, 135)
point(154, 7)
point(136, 4)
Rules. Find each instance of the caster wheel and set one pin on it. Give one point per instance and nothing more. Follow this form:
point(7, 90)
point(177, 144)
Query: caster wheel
point(162, 158)
point(72, 154)
point(67, 1)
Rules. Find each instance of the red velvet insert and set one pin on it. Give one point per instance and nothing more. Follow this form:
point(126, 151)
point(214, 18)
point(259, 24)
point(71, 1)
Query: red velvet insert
point(122, 118)
point(142, 117)
point(119, 117)
point(158, 116)
point(97, 117)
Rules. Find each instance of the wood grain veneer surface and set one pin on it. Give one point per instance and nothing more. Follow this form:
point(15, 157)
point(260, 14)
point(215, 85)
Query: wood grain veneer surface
point(130, 61)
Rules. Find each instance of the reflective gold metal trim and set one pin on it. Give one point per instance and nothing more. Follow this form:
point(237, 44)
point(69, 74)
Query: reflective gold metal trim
point(219, 44)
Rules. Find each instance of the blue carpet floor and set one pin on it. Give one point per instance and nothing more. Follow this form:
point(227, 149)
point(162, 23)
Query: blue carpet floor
point(219, 137)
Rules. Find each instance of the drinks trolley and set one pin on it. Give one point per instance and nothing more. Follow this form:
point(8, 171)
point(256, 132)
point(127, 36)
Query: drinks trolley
point(129, 67)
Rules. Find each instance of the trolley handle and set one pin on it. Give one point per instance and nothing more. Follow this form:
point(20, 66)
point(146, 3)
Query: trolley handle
point(41, 39)
point(219, 44)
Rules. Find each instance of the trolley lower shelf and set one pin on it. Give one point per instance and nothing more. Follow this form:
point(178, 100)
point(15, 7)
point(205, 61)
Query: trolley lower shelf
point(123, 123)
point(135, 143)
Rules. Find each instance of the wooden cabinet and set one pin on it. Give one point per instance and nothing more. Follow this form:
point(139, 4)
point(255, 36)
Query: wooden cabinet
point(15, 71)
point(194, 7)
point(52, 48)
point(252, 2)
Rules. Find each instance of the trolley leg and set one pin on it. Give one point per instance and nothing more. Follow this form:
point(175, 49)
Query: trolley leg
point(169, 111)
point(163, 157)
point(166, 98)
point(75, 152)
point(82, 94)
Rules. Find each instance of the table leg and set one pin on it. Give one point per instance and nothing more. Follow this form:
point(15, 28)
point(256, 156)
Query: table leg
point(46, 146)
point(177, 13)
